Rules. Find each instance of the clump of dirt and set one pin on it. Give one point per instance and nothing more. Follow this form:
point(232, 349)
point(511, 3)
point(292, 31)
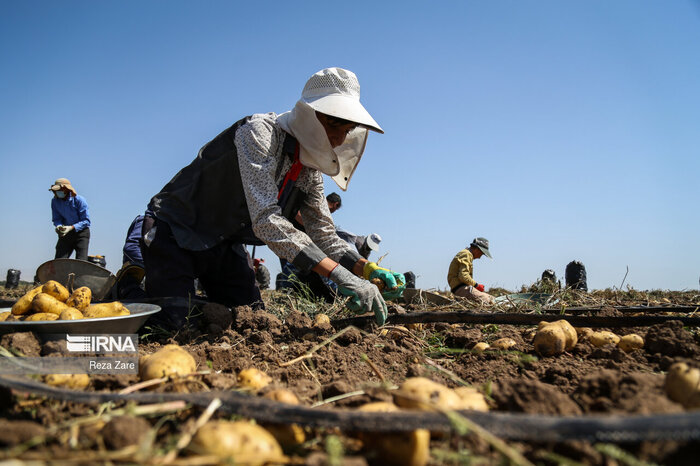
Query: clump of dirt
point(245, 318)
point(16, 432)
point(670, 339)
point(216, 318)
point(24, 342)
point(299, 324)
point(124, 431)
point(532, 396)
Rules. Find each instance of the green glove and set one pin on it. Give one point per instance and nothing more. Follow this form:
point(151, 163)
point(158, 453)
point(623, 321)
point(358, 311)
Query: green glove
point(364, 297)
point(394, 283)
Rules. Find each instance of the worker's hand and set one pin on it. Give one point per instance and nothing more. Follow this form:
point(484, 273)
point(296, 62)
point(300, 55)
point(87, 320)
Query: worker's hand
point(364, 296)
point(64, 229)
point(479, 287)
point(59, 230)
point(394, 283)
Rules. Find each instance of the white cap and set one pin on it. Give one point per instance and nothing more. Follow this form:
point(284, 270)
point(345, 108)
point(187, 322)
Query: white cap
point(373, 241)
point(336, 92)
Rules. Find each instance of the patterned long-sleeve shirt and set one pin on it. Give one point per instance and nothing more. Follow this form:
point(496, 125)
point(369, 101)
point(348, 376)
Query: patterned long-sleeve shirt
point(263, 167)
point(461, 270)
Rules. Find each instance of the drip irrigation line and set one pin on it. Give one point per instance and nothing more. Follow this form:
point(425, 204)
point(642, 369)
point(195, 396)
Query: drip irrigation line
point(469, 317)
point(645, 309)
point(509, 426)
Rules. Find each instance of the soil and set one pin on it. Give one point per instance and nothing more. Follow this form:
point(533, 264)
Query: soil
point(583, 381)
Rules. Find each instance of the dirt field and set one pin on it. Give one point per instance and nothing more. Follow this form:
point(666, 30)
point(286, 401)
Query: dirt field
point(345, 368)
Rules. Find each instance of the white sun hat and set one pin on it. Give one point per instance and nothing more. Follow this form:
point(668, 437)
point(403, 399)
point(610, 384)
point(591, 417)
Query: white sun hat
point(336, 92)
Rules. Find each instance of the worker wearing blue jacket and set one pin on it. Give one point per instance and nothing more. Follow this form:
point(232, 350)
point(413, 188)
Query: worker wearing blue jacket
point(71, 217)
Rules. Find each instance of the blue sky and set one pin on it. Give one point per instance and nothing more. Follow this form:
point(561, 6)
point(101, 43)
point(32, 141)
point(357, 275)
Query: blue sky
point(558, 130)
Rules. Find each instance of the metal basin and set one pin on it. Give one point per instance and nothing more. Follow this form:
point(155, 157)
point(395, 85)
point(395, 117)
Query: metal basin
point(98, 279)
point(104, 326)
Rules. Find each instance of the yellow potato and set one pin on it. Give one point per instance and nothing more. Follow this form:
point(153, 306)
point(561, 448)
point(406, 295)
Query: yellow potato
point(169, 361)
point(503, 344)
point(471, 399)
point(5, 315)
point(44, 302)
point(80, 299)
point(287, 435)
point(321, 319)
point(71, 314)
point(24, 304)
point(682, 383)
point(481, 347)
point(113, 309)
point(412, 448)
point(253, 379)
point(282, 395)
point(55, 289)
point(74, 381)
point(41, 316)
point(603, 338)
point(425, 395)
point(554, 338)
point(630, 342)
point(239, 441)
point(583, 332)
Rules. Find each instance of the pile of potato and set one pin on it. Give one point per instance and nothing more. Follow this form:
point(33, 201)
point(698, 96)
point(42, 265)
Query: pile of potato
point(53, 301)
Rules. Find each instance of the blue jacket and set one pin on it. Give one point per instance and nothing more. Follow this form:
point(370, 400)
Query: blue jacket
point(132, 246)
point(70, 211)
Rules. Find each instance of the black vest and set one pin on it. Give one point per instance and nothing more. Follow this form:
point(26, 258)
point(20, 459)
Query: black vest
point(204, 204)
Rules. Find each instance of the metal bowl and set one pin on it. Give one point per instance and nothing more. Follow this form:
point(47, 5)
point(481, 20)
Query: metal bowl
point(98, 279)
point(104, 325)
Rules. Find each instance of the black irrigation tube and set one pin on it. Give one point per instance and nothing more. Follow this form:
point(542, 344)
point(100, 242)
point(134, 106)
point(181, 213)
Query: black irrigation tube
point(510, 426)
point(646, 309)
point(470, 317)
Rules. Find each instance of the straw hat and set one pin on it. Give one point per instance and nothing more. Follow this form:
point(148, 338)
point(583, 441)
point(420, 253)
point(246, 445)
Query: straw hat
point(63, 183)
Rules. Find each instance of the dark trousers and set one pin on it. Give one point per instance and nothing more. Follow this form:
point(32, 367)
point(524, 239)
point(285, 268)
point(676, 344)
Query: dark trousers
point(224, 271)
point(77, 241)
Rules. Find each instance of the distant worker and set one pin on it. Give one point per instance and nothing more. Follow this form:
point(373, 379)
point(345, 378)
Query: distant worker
point(130, 277)
point(460, 276)
point(70, 216)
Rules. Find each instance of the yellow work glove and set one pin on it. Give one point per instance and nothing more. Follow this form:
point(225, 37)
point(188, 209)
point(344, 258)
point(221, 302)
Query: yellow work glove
point(394, 283)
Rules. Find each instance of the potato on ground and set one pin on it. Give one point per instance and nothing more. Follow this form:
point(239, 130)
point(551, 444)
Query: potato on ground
point(288, 435)
point(471, 399)
point(410, 448)
point(5, 315)
point(503, 344)
point(55, 289)
point(240, 442)
point(80, 298)
point(481, 347)
point(113, 309)
point(74, 381)
point(683, 384)
point(71, 314)
point(24, 304)
point(603, 338)
point(45, 303)
point(253, 379)
point(41, 316)
point(553, 338)
point(169, 361)
point(282, 395)
point(630, 342)
point(425, 395)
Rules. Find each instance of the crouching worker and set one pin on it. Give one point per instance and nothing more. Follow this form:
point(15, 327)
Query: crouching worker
point(246, 185)
point(460, 275)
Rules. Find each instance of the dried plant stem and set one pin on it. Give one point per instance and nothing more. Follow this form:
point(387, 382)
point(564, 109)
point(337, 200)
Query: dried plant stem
point(187, 436)
point(311, 352)
point(373, 366)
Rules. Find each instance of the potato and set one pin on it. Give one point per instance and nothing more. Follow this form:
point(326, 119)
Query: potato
point(71, 314)
point(425, 395)
point(583, 333)
point(253, 379)
point(44, 302)
point(682, 383)
point(481, 347)
point(5, 315)
point(113, 309)
point(169, 361)
point(41, 316)
point(55, 289)
point(322, 319)
point(287, 435)
point(471, 399)
point(80, 299)
point(503, 344)
point(401, 449)
point(282, 395)
point(554, 338)
point(603, 338)
point(630, 342)
point(74, 381)
point(239, 441)
point(24, 304)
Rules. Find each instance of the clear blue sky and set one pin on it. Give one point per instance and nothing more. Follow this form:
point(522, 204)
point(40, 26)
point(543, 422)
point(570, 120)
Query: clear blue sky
point(558, 130)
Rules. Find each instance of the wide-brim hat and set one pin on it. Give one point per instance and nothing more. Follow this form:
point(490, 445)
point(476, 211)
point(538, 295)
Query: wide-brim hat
point(373, 241)
point(483, 244)
point(63, 183)
point(336, 92)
